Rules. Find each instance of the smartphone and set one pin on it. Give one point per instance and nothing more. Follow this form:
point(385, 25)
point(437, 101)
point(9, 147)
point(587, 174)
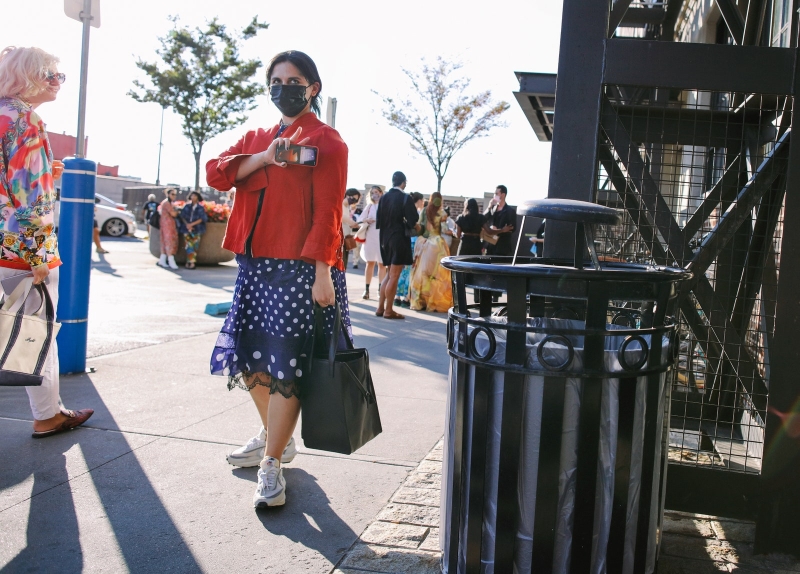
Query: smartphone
point(298, 155)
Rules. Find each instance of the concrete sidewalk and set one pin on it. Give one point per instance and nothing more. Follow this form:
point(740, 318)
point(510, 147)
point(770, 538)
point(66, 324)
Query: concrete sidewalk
point(144, 486)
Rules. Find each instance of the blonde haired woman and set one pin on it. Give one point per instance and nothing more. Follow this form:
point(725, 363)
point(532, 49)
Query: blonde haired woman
point(430, 287)
point(29, 77)
point(371, 248)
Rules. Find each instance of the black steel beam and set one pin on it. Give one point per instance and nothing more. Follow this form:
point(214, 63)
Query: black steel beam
point(733, 19)
point(754, 22)
point(573, 159)
point(618, 10)
point(715, 492)
point(776, 527)
point(643, 16)
point(725, 189)
point(682, 126)
point(648, 190)
point(717, 67)
point(771, 168)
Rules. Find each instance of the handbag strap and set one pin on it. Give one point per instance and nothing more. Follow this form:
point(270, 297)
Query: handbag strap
point(15, 300)
point(17, 326)
point(338, 327)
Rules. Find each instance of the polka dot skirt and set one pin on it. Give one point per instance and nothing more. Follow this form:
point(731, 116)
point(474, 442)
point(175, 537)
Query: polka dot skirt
point(268, 328)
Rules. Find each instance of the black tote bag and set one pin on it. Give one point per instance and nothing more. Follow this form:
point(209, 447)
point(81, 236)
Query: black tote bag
point(340, 413)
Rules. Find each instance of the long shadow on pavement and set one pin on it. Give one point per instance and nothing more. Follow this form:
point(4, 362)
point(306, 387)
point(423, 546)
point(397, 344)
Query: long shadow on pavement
point(322, 530)
point(146, 534)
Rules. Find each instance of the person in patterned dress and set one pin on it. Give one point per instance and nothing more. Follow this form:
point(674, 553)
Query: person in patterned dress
point(29, 77)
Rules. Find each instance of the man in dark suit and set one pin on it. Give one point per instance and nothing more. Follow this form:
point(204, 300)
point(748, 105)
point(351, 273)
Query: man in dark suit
point(396, 214)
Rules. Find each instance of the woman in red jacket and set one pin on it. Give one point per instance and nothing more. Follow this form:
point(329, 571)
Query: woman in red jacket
point(286, 230)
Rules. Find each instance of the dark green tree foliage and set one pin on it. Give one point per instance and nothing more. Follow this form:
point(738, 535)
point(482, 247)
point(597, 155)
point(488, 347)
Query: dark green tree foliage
point(442, 118)
point(203, 78)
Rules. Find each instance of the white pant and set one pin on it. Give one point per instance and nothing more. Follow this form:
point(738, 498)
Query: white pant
point(45, 400)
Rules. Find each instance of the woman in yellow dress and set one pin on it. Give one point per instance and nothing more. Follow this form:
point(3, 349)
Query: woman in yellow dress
point(430, 282)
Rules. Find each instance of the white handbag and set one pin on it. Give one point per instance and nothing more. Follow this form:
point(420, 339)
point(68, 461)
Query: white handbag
point(25, 340)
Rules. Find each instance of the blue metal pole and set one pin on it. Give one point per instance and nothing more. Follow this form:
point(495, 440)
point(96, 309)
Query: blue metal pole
point(75, 246)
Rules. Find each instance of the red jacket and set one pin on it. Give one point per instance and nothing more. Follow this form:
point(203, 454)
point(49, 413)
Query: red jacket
point(301, 215)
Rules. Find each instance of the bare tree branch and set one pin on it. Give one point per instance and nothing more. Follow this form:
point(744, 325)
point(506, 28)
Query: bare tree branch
point(444, 118)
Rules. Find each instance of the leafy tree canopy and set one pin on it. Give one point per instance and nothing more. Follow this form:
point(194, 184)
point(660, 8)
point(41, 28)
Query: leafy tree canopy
point(204, 79)
point(442, 118)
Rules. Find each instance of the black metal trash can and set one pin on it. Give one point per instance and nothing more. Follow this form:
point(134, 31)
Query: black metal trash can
point(555, 451)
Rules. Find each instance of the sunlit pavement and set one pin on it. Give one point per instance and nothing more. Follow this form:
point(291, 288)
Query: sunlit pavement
point(144, 486)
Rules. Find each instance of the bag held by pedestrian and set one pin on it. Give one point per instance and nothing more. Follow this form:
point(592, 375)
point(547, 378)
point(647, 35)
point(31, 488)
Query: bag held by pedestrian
point(361, 234)
point(340, 413)
point(489, 238)
point(155, 220)
point(349, 243)
point(25, 340)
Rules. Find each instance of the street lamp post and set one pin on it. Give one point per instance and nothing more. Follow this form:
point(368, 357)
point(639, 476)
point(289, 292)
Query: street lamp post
point(86, 19)
point(160, 145)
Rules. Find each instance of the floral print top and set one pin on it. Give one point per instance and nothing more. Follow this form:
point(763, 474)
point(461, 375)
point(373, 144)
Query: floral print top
point(27, 193)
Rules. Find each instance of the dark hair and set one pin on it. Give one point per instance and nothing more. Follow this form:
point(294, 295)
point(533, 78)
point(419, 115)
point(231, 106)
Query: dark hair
point(398, 178)
point(503, 189)
point(415, 196)
point(308, 69)
point(197, 193)
point(471, 206)
point(353, 191)
point(447, 210)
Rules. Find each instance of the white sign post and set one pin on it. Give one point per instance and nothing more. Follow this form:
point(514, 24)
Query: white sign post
point(88, 13)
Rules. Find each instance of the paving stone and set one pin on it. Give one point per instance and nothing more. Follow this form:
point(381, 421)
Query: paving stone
point(676, 565)
point(423, 496)
point(430, 466)
point(424, 480)
point(410, 514)
point(435, 455)
point(431, 541)
point(688, 526)
point(390, 534)
point(734, 530)
point(392, 560)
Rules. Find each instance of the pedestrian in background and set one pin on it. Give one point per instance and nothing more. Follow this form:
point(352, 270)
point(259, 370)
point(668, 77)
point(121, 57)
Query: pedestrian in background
point(396, 217)
point(98, 247)
point(430, 288)
point(193, 225)
point(351, 198)
point(168, 228)
point(500, 221)
point(290, 258)
point(468, 227)
point(371, 248)
point(401, 297)
point(148, 209)
point(29, 77)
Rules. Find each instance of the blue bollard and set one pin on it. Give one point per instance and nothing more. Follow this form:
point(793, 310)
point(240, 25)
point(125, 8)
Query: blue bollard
point(74, 244)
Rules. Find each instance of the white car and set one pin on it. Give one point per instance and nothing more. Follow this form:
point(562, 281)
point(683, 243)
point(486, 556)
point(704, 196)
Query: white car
point(113, 220)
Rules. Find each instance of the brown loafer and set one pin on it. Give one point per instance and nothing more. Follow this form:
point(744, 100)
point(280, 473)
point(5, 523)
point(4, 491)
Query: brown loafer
point(76, 419)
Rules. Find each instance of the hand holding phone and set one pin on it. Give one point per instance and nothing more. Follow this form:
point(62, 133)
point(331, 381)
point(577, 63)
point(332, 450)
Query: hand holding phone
point(297, 154)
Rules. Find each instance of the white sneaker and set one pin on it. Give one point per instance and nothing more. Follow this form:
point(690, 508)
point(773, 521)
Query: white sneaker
point(171, 262)
point(252, 453)
point(271, 489)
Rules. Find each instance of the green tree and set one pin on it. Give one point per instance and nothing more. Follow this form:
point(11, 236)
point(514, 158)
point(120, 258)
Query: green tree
point(203, 78)
point(442, 118)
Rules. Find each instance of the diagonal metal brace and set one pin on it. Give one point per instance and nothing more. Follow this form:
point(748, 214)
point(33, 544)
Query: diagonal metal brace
point(769, 170)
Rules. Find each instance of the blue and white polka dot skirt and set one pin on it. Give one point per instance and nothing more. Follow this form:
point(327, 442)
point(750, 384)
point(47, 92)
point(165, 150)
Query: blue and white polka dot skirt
point(268, 328)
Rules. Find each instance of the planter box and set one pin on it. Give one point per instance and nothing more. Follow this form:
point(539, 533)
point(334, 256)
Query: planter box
point(210, 252)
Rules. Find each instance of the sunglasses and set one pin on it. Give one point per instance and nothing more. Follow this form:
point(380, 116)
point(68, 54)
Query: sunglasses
point(50, 76)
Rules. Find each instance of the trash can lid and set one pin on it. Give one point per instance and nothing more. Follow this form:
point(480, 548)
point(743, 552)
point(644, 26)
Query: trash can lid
point(570, 210)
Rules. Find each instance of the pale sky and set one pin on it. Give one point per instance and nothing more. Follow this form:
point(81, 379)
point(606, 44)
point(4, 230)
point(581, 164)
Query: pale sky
point(358, 47)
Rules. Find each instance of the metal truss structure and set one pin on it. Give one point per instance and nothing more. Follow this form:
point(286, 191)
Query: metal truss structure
point(693, 143)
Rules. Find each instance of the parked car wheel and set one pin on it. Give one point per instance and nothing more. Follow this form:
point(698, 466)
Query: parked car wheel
point(115, 227)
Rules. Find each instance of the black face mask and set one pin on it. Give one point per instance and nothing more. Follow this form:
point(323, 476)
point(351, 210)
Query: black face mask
point(351, 200)
point(289, 99)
